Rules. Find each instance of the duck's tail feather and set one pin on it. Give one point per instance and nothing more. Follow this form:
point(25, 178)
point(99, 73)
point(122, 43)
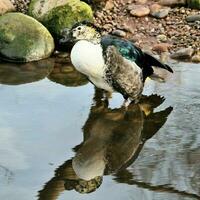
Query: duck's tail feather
point(156, 63)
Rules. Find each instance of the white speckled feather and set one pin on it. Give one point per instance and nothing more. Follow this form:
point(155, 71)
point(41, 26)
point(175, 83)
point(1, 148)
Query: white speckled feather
point(88, 59)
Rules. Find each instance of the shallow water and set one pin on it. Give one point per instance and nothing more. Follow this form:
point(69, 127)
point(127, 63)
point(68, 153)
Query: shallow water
point(56, 130)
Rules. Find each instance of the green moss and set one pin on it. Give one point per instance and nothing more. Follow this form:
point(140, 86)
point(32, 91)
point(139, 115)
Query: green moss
point(38, 8)
point(65, 16)
point(194, 4)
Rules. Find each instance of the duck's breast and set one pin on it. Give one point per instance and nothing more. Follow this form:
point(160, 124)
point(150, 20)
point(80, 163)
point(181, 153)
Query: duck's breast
point(88, 58)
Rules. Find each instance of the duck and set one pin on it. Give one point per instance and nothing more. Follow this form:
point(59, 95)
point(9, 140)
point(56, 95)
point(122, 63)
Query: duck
point(110, 63)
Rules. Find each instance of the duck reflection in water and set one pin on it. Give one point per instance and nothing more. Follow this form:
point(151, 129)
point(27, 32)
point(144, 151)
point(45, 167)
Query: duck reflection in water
point(113, 139)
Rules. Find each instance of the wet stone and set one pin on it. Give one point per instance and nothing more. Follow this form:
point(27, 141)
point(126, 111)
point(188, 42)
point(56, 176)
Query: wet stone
point(185, 53)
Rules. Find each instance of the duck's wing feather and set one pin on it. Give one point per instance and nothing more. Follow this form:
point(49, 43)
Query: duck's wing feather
point(122, 74)
point(129, 51)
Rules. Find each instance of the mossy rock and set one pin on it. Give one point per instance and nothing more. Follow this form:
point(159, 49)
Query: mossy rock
point(60, 15)
point(194, 4)
point(24, 39)
point(38, 8)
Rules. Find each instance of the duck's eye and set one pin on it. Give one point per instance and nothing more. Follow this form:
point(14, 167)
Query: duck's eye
point(79, 28)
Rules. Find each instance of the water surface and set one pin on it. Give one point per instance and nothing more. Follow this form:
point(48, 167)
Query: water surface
point(60, 139)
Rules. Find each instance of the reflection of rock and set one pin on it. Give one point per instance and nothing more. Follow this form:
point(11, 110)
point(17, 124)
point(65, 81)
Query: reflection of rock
point(15, 74)
point(113, 138)
point(23, 39)
point(65, 74)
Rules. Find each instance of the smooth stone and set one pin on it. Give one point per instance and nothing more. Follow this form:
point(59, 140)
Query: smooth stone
point(23, 39)
point(38, 8)
point(185, 53)
point(109, 5)
point(119, 33)
point(6, 6)
point(162, 47)
point(140, 10)
point(66, 16)
point(196, 58)
point(193, 18)
point(141, 1)
point(159, 11)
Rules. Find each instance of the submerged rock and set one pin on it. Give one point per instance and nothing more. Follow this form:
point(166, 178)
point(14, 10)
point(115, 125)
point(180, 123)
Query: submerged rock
point(16, 74)
point(57, 15)
point(6, 6)
point(23, 39)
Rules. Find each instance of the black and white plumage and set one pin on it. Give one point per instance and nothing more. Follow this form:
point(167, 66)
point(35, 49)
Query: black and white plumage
point(109, 62)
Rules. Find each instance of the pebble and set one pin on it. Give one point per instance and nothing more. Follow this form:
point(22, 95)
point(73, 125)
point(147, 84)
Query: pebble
point(109, 5)
point(185, 53)
point(119, 33)
point(140, 11)
point(162, 38)
point(21, 5)
point(141, 1)
point(193, 18)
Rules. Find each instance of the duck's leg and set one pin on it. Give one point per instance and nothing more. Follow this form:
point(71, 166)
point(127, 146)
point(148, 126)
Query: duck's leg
point(126, 103)
point(108, 95)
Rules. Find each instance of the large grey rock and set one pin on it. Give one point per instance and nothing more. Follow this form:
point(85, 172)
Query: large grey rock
point(23, 39)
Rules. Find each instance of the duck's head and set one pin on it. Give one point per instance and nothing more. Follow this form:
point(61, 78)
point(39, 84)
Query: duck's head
point(81, 31)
